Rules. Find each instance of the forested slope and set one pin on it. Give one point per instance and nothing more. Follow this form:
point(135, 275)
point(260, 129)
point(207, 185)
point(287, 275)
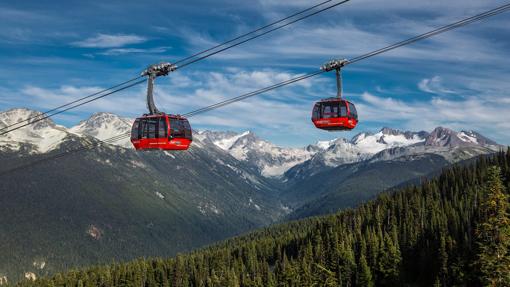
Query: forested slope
point(452, 230)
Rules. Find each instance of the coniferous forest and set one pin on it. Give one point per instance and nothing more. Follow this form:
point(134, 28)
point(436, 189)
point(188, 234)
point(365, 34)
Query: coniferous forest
point(453, 230)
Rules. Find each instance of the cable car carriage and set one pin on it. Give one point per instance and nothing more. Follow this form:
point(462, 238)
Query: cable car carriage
point(158, 130)
point(162, 131)
point(335, 114)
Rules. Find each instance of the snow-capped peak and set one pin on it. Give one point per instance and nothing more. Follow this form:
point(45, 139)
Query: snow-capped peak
point(444, 137)
point(386, 138)
point(227, 142)
point(324, 145)
point(271, 160)
point(104, 126)
point(361, 147)
point(43, 135)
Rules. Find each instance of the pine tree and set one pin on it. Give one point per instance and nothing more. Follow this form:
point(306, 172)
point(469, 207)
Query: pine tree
point(364, 274)
point(493, 233)
point(389, 262)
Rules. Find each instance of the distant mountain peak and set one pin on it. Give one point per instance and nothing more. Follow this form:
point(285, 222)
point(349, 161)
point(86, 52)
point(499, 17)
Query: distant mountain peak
point(269, 159)
point(469, 135)
point(359, 137)
point(103, 126)
point(16, 115)
point(445, 137)
point(43, 135)
point(388, 144)
point(390, 131)
point(100, 118)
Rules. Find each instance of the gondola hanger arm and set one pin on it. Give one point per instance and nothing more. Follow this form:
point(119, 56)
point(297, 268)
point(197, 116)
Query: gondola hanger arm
point(152, 72)
point(336, 65)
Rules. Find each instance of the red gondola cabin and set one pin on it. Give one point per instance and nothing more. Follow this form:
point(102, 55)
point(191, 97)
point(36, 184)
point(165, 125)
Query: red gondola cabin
point(334, 114)
point(161, 131)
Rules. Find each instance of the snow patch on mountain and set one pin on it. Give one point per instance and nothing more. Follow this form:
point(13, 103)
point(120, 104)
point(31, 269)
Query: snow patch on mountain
point(44, 135)
point(227, 142)
point(253, 204)
point(467, 138)
point(324, 145)
point(208, 207)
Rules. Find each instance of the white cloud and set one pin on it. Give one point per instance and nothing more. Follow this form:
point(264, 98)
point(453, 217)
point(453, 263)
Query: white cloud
point(123, 51)
point(339, 33)
point(434, 85)
point(283, 109)
point(125, 102)
point(488, 115)
point(110, 41)
point(386, 6)
point(287, 110)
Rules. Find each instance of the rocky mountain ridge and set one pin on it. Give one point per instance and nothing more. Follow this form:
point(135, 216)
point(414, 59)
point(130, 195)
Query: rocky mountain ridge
point(270, 160)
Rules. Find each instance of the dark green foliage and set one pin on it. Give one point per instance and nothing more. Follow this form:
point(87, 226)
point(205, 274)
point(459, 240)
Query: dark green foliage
point(493, 233)
point(349, 185)
point(137, 203)
point(418, 236)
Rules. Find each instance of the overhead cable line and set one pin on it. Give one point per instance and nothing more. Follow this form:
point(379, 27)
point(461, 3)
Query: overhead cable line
point(45, 116)
point(70, 103)
point(255, 31)
point(276, 25)
point(251, 94)
point(435, 32)
point(86, 146)
point(443, 29)
point(257, 34)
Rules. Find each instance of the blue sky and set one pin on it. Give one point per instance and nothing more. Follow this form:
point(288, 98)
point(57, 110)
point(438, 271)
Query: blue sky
point(52, 52)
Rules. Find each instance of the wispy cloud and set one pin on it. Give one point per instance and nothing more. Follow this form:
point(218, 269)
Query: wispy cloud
point(43, 98)
point(288, 109)
point(123, 51)
point(110, 41)
point(434, 85)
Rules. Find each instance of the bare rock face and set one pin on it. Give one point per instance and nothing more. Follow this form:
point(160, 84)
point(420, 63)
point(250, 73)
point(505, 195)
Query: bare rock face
point(30, 276)
point(3, 280)
point(95, 232)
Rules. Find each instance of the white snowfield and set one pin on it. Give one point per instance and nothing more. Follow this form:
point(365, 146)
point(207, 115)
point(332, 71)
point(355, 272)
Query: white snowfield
point(271, 160)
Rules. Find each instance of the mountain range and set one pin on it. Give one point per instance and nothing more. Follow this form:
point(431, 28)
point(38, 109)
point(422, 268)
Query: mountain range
point(113, 202)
